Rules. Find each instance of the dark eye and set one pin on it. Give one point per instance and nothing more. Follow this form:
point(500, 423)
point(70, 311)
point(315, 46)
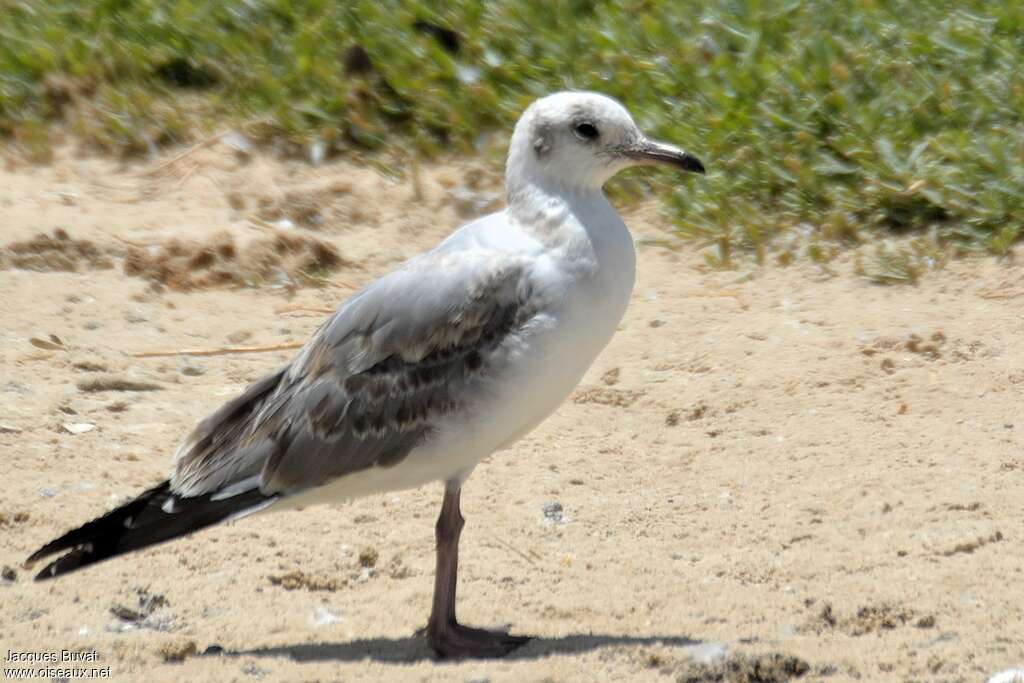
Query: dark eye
point(585, 131)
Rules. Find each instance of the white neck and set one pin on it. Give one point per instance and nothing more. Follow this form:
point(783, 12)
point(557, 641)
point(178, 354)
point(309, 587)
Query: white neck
point(544, 207)
point(556, 206)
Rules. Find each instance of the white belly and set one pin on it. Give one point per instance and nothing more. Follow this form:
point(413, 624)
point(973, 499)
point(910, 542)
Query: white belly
point(541, 374)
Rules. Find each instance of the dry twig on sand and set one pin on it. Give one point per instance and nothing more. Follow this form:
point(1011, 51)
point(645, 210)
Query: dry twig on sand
point(720, 294)
point(220, 351)
point(306, 309)
point(168, 165)
point(130, 243)
point(517, 551)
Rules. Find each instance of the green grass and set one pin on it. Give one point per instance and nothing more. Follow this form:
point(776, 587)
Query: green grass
point(821, 123)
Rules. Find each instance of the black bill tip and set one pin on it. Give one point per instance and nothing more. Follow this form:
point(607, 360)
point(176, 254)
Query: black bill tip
point(650, 152)
point(688, 162)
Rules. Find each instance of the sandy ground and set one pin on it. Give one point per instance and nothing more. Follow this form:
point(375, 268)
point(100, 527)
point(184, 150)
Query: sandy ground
point(769, 472)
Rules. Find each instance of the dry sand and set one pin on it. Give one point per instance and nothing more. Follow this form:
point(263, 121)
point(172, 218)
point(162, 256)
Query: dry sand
point(797, 468)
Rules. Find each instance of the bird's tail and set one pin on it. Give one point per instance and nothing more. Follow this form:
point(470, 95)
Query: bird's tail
point(155, 516)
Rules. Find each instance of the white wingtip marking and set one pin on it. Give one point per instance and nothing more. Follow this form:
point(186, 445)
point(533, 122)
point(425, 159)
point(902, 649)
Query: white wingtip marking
point(239, 487)
point(254, 509)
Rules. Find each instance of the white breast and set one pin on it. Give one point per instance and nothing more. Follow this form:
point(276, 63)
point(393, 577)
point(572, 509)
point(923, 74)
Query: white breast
point(586, 280)
point(584, 277)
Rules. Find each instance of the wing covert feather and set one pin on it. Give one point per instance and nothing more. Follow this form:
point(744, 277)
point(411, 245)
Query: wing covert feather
point(371, 383)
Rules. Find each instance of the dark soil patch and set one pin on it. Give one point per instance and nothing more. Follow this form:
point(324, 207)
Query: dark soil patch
point(184, 266)
point(299, 580)
point(869, 619)
point(115, 383)
point(313, 208)
point(766, 668)
point(58, 252)
point(618, 398)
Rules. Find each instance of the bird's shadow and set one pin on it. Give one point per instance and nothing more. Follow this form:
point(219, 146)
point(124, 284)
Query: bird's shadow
point(414, 648)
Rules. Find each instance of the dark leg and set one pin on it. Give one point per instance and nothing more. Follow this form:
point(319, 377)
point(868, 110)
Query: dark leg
point(447, 637)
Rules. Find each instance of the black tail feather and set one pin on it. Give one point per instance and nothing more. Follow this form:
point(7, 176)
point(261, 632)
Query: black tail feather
point(140, 523)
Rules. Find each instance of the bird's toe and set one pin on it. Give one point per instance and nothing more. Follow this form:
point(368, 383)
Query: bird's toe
point(456, 641)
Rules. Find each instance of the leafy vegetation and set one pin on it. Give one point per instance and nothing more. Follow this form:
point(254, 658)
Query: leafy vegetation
point(820, 122)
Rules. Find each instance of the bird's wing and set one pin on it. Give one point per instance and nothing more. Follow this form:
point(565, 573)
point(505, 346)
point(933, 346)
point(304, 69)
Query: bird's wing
point(371, 383)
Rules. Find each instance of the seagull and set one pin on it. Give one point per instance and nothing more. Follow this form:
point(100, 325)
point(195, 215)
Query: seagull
point(456, 354)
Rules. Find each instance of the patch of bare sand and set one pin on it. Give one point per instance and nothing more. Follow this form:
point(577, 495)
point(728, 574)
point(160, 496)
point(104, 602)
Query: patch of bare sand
point(819, 474)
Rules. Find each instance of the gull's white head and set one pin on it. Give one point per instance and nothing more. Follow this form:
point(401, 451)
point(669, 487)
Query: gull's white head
point(578, 140)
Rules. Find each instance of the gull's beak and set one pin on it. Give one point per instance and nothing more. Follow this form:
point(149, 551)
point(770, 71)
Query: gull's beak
point(651, 152)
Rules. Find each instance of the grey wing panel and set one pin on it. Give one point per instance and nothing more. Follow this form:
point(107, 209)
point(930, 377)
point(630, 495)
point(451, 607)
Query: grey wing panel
point(343, 422)
point(369, 385)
